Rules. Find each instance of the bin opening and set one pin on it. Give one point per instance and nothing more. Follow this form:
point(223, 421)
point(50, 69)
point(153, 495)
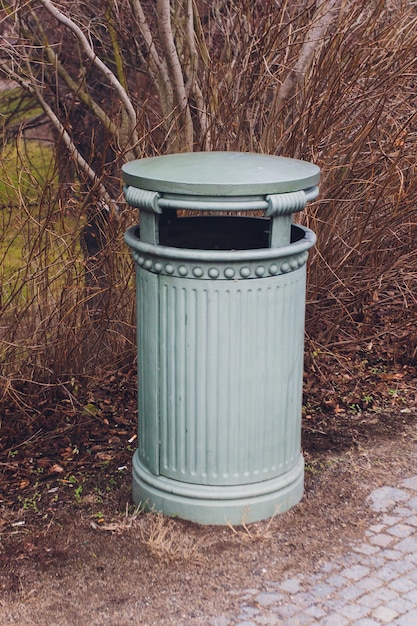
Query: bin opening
point(219, 233)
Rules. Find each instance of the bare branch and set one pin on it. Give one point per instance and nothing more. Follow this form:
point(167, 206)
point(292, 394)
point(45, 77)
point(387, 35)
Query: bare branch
point(72, 149)
point(326, 14)
point(157, 66)
point(80, 93)
point(90, 53)
point(194, 35)
point(167, 42)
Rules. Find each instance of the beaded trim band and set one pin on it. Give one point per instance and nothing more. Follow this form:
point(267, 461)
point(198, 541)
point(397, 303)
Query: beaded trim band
point(220, 265)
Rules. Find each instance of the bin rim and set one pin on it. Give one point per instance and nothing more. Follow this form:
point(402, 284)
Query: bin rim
point(220, 256)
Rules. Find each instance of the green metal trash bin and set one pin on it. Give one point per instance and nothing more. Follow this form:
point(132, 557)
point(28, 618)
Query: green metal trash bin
point(220, 332)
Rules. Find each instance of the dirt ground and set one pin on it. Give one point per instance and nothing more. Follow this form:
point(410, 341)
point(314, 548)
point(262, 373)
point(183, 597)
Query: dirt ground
point(77, 552)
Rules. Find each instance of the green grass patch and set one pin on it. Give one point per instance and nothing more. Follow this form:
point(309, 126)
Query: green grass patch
point(36, 240)
point(26, 167)
point(16, 106)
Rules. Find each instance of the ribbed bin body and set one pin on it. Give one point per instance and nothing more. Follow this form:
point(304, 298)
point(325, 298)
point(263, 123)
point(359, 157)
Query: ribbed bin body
point(220, 359)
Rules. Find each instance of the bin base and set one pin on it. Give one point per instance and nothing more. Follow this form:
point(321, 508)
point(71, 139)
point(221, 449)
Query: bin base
point(219, 505)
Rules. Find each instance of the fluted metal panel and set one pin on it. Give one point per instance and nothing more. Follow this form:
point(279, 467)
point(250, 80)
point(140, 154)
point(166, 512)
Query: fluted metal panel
point(229, 378)
point(148, 368)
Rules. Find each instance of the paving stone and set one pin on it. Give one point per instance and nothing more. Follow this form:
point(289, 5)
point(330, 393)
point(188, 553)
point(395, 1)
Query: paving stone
point(412, 520)
point(354, 611)
point(401, 605)
point(410, 483)
point(402, 584)
point(221, 620)
point(405, 513)
point(300, 620)
point(355, 572)
point(393, 555)
point(291, 585)
point(408, 545)
point(285, 611)
point(390, 520)
point(409, 619)
point(376, 560)
point(337, 580)
point(400, 530)
point(375, 528)
point(384, 614)
point(386, 594)
point(366, 621)
point(268, 619)
point(366, 548)
point(331, 605)
point(347, 560)
point(401, 567)
point(248, 611)
point(329, 567)
point(370, 600)
point(303, 599)
point(383, 540)
point(412, 504)
point(371, 583)
point(315, 611)
point(269, 597)
point(352, 592)
point(334, 619)
point(386, 573)
point(411, 558)
point(322, 590)
point(412, 574)
point(385, 497)
point(412, 596)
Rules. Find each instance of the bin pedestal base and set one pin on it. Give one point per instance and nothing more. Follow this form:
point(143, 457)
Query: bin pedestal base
point(214, 504)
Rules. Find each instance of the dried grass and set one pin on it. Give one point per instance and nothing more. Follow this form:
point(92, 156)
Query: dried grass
point(166, 541)
point(258, 531)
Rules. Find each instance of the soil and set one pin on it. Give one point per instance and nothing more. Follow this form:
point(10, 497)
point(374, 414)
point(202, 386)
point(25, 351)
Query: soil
point(74, 549)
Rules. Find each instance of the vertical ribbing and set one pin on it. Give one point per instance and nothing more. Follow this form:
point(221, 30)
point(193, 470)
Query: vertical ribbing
point(230, 375)
point(148, 369)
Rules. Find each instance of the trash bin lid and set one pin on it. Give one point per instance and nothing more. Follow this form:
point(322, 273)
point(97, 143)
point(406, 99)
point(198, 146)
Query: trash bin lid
point(220, 174)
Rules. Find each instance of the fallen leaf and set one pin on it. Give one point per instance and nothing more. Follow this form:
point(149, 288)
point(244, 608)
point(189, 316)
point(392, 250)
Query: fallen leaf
point(91, 409)
point(388, 376)
point(103, 456)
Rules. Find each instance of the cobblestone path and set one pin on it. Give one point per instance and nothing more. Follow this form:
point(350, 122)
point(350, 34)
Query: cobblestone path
point(374, 583)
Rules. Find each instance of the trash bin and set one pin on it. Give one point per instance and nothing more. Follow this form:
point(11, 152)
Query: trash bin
point(220, 279)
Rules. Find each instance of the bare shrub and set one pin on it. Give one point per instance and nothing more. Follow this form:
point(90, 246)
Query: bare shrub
point(330, 81)
point(58, 327)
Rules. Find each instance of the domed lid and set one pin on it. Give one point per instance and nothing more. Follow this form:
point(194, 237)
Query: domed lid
point(220, 174)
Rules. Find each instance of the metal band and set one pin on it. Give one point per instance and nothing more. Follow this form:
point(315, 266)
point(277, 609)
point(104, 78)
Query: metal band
point(197, 203)
point(273, 205)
